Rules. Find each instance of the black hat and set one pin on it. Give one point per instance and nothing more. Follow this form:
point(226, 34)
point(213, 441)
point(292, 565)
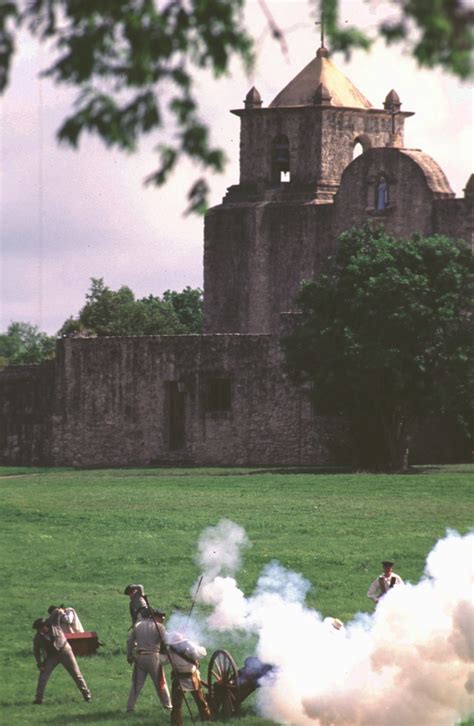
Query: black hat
point(39, 622)
point(387, 563)
point(129, 588)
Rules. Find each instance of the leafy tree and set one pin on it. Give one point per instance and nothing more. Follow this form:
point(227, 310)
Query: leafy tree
point(188, 307)
point(438, 33)
point(386, 338)
point(25, 343)
point(108, 312)
point(133, 62)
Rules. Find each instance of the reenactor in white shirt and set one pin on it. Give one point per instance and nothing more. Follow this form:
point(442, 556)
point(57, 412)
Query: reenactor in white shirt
point(384, 582)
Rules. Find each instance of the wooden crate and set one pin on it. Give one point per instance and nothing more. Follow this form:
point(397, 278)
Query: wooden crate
point(85, 643)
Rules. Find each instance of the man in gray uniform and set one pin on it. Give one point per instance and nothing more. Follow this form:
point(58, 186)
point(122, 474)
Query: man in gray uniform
point(50, 649)
point(144, 643)
point(136, 594)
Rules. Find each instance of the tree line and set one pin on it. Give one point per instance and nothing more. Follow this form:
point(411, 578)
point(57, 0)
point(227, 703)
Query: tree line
point(107, 312)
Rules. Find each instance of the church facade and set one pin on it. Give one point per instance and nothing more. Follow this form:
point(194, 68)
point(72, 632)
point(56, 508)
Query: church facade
point(223, 398)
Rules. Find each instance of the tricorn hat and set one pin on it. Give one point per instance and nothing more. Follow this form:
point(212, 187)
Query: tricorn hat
point(39, 622)
point(387, 563)
point(52, 608)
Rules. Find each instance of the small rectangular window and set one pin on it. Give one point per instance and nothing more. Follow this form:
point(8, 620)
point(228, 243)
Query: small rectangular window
point(218, 395)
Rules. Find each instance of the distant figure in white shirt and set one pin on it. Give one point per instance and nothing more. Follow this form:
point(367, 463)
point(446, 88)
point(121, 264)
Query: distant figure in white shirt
point(384, 582)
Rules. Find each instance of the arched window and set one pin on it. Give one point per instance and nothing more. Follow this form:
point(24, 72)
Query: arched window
point(280, 159)
point(381, 193)
point(358, 150)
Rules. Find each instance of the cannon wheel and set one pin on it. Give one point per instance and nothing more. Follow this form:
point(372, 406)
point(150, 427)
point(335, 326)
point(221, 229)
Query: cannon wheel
point(223, 685)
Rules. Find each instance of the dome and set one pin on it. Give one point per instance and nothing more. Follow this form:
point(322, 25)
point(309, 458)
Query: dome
point(321, 70)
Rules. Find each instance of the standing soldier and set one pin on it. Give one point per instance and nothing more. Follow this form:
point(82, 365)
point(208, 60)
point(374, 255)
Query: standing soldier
point(136, 594)
point(184, 656)
point(144, 643)
point(51, 648)
point(384, 582)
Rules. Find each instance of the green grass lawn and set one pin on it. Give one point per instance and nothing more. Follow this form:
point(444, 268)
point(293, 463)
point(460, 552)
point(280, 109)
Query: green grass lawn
point(79, 537)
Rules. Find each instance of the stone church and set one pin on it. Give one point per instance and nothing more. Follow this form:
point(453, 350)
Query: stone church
point(223, 398)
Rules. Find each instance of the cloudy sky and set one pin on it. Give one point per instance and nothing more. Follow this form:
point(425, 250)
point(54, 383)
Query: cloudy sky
point(67, 216)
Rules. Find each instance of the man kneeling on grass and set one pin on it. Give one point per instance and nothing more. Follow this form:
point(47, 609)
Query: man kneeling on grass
point(50, 649)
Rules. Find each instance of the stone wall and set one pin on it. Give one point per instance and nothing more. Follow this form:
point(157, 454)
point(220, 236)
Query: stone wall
point(415, 183)
point(154, 400)
point(455, 218)
point(255, 256)
point(321, 142)
point(118, 400)
point(26, 407)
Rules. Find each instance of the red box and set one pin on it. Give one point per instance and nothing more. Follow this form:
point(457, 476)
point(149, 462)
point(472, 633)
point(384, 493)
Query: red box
point(85, 643)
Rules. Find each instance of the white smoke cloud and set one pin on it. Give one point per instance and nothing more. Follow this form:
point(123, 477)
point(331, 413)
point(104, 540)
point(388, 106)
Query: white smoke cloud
point(219, 549)
point(409, 663)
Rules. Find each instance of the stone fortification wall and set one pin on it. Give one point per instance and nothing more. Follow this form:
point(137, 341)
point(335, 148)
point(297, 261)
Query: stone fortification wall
point(219, 399)
point(26, 406)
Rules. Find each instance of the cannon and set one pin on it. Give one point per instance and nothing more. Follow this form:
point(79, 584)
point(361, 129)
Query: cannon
point(228, 686)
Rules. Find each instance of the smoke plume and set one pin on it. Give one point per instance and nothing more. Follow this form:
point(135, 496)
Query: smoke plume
point(409, 663)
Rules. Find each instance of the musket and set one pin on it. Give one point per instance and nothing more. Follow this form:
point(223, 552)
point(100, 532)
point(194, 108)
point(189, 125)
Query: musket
point(194, 598)
point(167, 653)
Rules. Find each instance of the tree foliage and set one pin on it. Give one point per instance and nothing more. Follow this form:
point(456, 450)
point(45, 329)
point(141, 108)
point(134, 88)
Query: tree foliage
point(25, 343)
point(438, 33)
point(133, 62)
point(117, 312)
point(386, 337)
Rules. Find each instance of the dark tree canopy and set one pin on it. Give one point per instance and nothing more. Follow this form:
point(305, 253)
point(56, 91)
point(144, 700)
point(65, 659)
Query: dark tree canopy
point(108, 312)
point(386, 338)
point(25, 343)
point(133, 62)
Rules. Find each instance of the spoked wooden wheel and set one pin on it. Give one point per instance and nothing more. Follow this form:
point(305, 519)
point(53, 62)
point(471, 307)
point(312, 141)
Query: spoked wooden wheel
point(223, 685)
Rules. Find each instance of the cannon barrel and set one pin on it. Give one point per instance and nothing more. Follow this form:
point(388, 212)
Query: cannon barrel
point(250, 674)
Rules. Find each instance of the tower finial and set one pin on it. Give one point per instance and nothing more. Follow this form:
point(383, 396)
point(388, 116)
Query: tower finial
point(321, 23)
point(322, 50)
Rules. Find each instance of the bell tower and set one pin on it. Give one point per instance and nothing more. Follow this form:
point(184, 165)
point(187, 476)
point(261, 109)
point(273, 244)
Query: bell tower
point(273, 229)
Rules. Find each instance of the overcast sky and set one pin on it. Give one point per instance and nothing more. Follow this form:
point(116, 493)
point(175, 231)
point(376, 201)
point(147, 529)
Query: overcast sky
point(67, 216)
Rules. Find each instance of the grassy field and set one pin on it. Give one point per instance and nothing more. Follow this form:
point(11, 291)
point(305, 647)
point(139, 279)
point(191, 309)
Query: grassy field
point(80, 536)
